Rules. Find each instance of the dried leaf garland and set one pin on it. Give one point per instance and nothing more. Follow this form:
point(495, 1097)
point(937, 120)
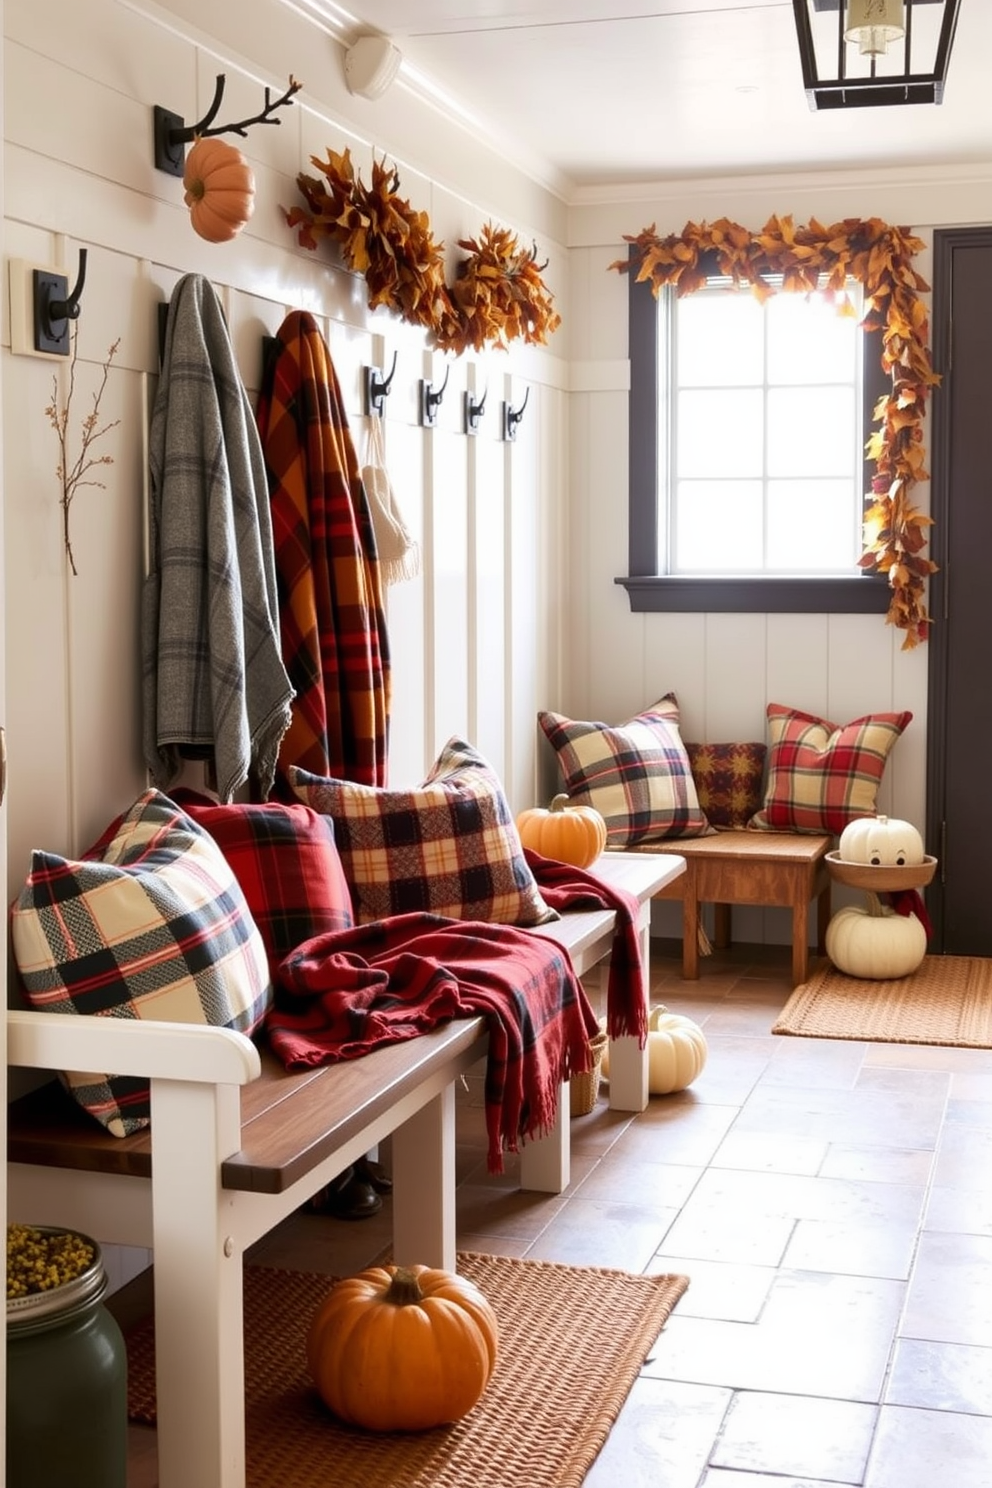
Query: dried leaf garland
point(879, 258)
point(498, 297)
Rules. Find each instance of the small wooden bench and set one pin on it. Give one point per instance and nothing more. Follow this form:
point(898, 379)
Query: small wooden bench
point(237, 1143)
point(776, 868)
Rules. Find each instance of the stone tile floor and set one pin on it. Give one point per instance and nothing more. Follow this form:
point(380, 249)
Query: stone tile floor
point(831, 1203)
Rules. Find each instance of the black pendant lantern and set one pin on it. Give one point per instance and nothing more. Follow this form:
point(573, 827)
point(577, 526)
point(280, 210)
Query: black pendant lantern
point(857, 53)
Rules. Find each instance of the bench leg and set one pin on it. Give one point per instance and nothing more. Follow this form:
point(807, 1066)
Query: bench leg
point(423, 1174)
point(199, 1359)
point(628, 1061)
point(690, 930)
point(721, 926)
point(545, 1164)
point(800, 940)
point(822, 918)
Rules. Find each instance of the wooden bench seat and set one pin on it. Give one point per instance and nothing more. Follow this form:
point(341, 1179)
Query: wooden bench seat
point(776, 868)
point(237, 1143)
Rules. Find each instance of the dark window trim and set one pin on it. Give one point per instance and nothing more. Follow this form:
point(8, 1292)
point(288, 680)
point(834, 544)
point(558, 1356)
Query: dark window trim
point(649, 591)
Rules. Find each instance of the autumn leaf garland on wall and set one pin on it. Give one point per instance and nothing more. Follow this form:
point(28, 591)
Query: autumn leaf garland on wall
point(498, 296)
point(879, 257)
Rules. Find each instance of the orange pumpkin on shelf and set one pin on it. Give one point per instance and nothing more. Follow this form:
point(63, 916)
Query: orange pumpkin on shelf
point(571, 834)
point(220, 189)
point(402, 1348)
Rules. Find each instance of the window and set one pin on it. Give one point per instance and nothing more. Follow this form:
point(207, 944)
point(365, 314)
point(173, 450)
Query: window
point(764, 515)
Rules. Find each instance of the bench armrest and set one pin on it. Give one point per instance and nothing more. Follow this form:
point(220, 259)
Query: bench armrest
point(128, 1046)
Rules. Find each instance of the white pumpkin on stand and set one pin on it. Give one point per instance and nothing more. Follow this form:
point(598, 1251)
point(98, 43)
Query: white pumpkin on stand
point(880, 855)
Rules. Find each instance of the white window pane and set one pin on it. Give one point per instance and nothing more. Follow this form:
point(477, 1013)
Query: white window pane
point(720, 433)
point(811, 431)
point(810, 341)
point(811, 528)
point(718, 527)
point(720, 340)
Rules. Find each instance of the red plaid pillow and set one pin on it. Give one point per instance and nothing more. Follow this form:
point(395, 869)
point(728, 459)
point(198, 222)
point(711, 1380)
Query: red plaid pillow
point(636, 774)
point(448, 847)
point(728, 780)
point(822, 775)
point(286, 861)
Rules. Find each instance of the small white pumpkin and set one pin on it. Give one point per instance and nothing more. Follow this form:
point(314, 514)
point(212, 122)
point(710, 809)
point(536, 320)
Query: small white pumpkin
point(881, 841)
point(676, 1051)
point(875, 942)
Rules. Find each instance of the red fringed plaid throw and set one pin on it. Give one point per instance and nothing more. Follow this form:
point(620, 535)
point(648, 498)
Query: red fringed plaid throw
point(565, 887)
point(338, 996)
point(334, 643)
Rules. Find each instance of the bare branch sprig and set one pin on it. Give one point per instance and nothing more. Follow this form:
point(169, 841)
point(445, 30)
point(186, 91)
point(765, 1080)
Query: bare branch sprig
point(74, 474)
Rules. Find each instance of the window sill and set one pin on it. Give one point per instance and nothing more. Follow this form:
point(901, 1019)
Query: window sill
point(858, 596)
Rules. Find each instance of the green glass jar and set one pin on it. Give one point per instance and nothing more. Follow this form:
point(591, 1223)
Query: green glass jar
point(66, 1386)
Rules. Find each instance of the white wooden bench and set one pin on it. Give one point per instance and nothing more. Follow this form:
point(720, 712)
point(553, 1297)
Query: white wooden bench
point(237, 1143)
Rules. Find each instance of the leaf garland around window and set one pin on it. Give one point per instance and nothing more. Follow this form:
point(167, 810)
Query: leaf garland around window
point(498, 295)
point(816, 257)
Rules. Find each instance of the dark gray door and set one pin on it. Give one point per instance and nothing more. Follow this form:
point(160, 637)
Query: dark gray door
point(959, 732)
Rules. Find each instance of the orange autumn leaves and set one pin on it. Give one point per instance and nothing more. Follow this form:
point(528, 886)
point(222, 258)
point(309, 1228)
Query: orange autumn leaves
point(813, 256)
point(497, 297)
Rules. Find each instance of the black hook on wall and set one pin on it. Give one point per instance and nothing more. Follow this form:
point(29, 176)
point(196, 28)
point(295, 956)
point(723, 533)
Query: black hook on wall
point(512, 417)
point(431, 399)
point(377, 388)
point(474, 409)
point(54, 306)
point(172, 134)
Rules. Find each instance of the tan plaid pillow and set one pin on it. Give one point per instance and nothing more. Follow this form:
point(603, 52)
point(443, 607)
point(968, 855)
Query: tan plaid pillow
point(448, 847)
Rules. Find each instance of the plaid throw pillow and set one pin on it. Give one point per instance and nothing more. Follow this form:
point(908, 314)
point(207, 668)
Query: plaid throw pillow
point(154, 927)
point(285, 859)
point(728, 780)
point(636, 774)
point(447, 847)
point(822, 775)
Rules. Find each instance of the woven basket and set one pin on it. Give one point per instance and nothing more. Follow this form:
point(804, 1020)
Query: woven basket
point(584, 1089)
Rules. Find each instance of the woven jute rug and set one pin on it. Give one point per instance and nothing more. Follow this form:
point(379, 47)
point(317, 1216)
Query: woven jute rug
point(948, 1000)
point(572, 1341)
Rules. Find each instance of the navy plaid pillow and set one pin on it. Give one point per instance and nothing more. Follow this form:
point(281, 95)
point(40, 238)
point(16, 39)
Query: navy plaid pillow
point(153, 926)
point(449, 846)
point(636, 774)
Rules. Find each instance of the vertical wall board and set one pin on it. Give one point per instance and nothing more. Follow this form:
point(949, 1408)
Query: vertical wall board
point(604, 304)
point(409, 758)
point(615, 646)
point(908, 766)
point(796, 662)
point(37, 686)
point(735, 691)
point(859, 667)
point(524, 578)
point(449, 545)
point(488, 586)
point(673, 660)
point(106, 764)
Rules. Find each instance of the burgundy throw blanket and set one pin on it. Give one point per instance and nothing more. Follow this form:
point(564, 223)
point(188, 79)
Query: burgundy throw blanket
point(340, 995)
point(565, 887)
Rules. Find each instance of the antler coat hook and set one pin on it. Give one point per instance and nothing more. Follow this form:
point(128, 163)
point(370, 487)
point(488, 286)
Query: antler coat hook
point(172, 133)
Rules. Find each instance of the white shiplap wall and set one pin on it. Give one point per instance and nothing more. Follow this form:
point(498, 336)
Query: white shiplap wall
point(82, 77)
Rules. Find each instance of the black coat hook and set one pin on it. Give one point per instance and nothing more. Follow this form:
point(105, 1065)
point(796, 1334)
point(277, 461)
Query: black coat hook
point(431, 398)
point(512, 417)
point(54, 306)
point(474, 411)
point(377, 388)
point(172, 134)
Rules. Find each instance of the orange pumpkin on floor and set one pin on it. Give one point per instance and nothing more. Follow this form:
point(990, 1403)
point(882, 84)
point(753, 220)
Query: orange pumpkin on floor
point(402, 1348)
point(220, 189)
